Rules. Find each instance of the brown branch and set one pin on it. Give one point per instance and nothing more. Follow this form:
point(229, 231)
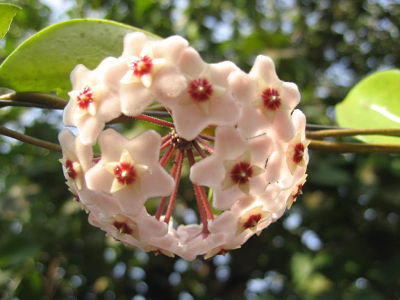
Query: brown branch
point(352, 132)
point(43, 99)
point(30, 140)
point(353, 147)
point(7, 103)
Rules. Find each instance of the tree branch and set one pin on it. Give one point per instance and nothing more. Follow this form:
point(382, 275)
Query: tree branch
point(319, 127)
point(43, 99)
point(6, 103)
point(353, 147)
point(30, 140)
point(351, 132)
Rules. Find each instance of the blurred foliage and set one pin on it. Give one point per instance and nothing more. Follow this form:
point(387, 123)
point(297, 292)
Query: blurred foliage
point(340, 241)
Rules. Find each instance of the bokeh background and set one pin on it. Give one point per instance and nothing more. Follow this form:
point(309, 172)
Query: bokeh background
point(341, 239)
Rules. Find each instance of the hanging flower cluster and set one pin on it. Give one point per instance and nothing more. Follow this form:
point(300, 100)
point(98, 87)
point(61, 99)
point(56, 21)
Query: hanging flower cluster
point(244, 175)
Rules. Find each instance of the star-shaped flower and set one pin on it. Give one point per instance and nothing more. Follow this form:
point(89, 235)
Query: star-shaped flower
point(92, 103)
point(296, 153)
point(252, 218)
point(77, 158)
point(245, 218)
point(297, 191)
point(147, 71)
point(125, 225)
point(126, 171)
point(267, 101)
point(206, 99)
point(129, 169)
point(235, 170)
point(239, 172)
point(121, 227)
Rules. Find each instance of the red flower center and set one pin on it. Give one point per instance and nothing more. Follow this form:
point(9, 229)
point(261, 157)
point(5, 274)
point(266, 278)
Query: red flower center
point(125, 173)
point(122, 227)
point(298, 153)
point(72, 173)
point(271, 99)
point(141, 66)
point(252, 221)
point(241, 172)
point(85, 97)
point(200, 89)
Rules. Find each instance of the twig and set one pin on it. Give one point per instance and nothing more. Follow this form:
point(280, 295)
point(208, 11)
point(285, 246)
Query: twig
point(353, 147)
point(6, 103)
point(43, 99)
point(352, 132)
point(320, 127)
point(30, 140)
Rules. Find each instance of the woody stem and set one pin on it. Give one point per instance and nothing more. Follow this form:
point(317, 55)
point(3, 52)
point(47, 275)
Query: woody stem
point(28, 139)
point(353, 147)
point(340, 132)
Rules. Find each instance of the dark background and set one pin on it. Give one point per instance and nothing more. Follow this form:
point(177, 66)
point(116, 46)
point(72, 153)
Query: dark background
point(339, 241)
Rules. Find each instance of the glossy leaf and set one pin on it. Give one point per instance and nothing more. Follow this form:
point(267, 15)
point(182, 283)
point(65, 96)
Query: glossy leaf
point(7, 13)
point(44, 62)
point(373, 103)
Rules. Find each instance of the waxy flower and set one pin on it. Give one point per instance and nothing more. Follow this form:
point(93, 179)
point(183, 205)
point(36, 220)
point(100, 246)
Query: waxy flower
point(267, 101)
point(296, 154)
point(93, 103)
point(76, 160)
point(237, 170)
point(206, 99)
point(129, 169)
point(237, 135)
point(147, 70)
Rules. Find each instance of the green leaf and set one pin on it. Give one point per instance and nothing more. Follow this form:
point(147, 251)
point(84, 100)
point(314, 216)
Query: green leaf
point(7, 13)
point(373, 103)
point(44, 61)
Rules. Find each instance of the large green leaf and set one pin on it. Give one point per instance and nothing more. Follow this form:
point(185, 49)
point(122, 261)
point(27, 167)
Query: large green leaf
point(44, 61)
point(373, 103)
point(7, 13)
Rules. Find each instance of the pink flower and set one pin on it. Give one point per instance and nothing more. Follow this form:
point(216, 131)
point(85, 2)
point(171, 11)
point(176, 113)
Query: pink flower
point(237, 170)
point(76, 160)
point(246, 217)
point(296, 153)
point(206, 99)
point(267, 101)
point(237, 135)
point(129, 170)
point(147, 71)
point(92, 102)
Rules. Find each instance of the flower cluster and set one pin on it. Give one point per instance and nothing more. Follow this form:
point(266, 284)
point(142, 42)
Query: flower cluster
point(238, 134)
